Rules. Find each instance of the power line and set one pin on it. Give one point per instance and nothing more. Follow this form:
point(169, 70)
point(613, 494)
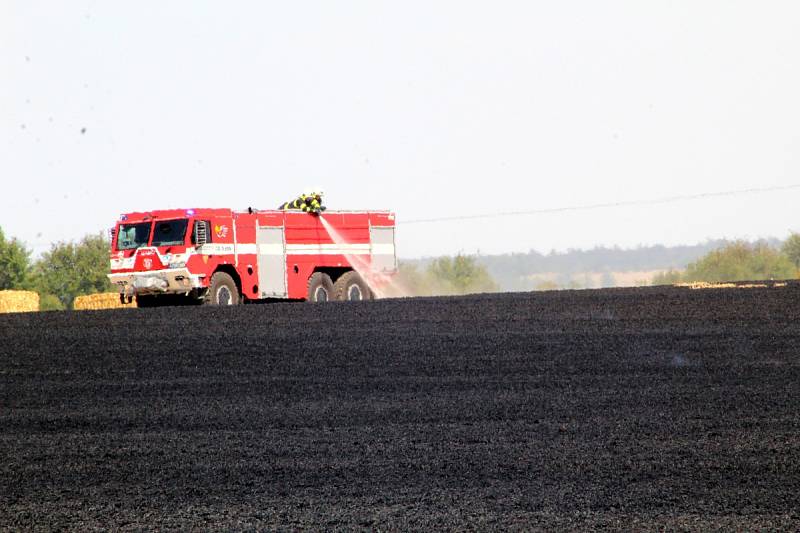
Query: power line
point(587, 207)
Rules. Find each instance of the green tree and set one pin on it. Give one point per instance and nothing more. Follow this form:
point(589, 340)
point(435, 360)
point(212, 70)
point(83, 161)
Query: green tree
point(460, 275)
point(50, 302)
point(737, 261)
point(14, 263)
point(73, 269)
point(791, 248)
point(445, 275)
point(413, 281)
point(741, 261)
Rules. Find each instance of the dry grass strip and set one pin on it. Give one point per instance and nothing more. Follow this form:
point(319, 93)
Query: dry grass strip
point(707, 285)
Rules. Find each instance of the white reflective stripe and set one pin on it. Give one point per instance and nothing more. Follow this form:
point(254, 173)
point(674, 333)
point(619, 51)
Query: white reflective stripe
point(235, 247)
point(328, 249)
point(246, 248)
point(338, 251)
point(270, 249)
point(323, 247)
point(210, 249)
point(383, 249)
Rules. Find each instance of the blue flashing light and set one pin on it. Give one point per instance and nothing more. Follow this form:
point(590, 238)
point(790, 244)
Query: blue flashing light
point(123, 217)
point(189, 212)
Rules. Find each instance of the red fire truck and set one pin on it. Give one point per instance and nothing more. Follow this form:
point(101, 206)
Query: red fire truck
point(226, 257)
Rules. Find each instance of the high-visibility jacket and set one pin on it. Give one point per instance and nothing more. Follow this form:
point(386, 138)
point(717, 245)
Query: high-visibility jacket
point(303, 203)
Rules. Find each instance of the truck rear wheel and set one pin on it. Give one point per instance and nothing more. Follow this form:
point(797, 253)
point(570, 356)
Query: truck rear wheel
point(351, 287)
point(222, 290)
point(320, 287)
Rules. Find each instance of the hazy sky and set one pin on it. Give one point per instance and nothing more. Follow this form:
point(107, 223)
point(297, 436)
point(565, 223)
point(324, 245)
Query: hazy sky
point(431, 109)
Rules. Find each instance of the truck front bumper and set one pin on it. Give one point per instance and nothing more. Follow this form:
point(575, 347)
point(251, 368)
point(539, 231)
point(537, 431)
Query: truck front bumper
point(168, 281)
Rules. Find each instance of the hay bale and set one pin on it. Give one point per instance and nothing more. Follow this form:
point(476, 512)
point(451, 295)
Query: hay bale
point(18, 301)
point(103, 300)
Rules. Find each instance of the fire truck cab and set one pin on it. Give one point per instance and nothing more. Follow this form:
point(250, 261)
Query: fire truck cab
point(226, 257)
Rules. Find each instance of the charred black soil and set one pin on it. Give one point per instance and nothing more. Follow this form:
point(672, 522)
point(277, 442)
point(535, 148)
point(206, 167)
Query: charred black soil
point(659, 408)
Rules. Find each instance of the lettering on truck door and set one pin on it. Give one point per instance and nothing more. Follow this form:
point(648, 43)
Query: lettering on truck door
point(271, 244)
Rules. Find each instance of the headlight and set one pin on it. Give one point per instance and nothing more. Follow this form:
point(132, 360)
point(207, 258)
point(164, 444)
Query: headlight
point(179, 264)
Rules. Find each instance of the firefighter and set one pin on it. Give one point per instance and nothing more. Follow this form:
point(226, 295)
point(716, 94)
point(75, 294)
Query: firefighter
point(308, 202)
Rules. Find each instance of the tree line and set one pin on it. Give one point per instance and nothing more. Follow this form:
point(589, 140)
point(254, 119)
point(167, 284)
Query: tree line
point(741, 261)
point(67, 270)
point(518, 271)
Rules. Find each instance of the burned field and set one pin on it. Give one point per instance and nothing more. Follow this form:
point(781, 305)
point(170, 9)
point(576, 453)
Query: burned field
point(636, 408)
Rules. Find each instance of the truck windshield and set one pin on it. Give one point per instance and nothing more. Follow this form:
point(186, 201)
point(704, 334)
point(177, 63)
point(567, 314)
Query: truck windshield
point(133, 235)
point(170, 232)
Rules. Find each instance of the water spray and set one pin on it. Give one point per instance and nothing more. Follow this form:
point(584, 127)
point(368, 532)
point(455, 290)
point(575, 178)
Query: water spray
point(381, 285)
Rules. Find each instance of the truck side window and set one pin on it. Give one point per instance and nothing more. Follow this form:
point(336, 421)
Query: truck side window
point(131, 236)
point(170, 232)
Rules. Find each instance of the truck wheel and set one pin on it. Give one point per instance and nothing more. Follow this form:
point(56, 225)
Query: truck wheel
point(320, 287)
point(222, 290)
point(351, 287)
